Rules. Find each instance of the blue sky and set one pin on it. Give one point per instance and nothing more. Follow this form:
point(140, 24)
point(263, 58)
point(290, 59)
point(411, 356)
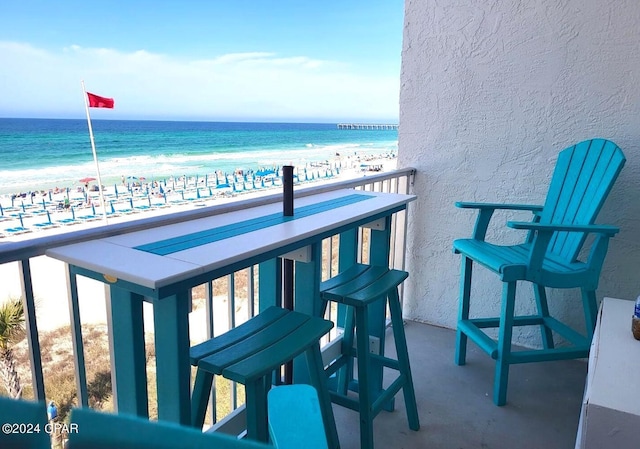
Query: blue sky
point(276, 60)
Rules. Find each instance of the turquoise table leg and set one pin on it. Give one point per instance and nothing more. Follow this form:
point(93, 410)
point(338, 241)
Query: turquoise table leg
point(379, 255)
point(270, 283)
point(307, 300)
point(171, 322)
point(347, 256)
point(128, 352)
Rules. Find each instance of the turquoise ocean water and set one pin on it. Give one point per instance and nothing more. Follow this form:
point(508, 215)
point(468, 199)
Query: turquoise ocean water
point(40, 154)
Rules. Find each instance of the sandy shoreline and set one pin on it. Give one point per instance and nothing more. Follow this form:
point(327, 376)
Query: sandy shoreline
point(56, 210)
point(49, 278)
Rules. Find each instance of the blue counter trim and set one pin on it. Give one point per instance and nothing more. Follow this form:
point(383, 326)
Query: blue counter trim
point(184, 242)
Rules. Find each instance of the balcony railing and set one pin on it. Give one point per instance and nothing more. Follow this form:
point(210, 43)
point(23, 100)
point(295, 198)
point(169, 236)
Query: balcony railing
point(235, 296)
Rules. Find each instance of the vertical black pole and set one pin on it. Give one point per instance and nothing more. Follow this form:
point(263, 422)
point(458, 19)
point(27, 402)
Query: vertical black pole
point(287, 187)
point(287, 211)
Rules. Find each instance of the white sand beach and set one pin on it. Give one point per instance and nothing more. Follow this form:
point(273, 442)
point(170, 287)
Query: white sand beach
point(48, 275)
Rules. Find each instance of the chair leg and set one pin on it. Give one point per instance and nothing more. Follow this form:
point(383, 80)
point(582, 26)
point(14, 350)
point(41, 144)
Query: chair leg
point(345, 374)
point(504, 343)
point(200, 397)
point(403, 360)
point(256, 409)
point(590, 305)
point(463, 309)
point(365, 394)
point(319, 381)
point(543, 310)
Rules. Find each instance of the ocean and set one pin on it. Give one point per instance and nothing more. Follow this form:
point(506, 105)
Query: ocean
point(39, 154)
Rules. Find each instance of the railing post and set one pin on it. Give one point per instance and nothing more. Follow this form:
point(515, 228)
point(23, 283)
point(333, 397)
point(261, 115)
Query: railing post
point(76, 337)
point(35, 356)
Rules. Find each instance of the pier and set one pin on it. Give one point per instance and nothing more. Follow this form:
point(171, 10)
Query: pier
point(382, 126)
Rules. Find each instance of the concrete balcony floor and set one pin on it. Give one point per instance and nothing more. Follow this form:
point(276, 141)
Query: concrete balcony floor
point(455, 402)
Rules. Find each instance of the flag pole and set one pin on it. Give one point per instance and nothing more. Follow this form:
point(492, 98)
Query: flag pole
point(95, 155)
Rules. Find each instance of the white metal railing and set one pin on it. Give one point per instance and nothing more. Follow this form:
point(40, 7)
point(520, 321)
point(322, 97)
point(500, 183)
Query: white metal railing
point(237, 287)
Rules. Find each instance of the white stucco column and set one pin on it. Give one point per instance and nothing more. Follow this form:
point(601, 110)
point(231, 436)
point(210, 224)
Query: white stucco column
point(491, 91)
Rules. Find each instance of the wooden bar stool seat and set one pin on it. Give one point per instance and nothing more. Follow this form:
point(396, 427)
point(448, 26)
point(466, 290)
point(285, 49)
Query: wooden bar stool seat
point(358, 287)
point(251, 353)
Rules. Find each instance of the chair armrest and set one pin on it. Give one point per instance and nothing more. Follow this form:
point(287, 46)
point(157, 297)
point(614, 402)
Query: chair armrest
point(607, 230)
point(485, 211)
point(498, 206)
point(544, 233)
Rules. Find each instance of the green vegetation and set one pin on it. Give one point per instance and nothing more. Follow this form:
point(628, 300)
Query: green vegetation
point(11, 332)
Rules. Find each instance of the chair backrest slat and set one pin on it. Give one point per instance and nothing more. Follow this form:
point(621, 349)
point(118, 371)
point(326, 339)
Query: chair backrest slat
point(582, 179)
point(27, 422)
point(98, 430)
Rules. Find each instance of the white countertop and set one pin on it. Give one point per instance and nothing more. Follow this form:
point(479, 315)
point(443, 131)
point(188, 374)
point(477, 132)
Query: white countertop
point(118, 257)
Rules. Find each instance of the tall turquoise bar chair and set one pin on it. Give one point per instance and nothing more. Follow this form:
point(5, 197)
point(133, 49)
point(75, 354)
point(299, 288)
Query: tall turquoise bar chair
point(549, 257)
point(251, 353)
point(357, 288)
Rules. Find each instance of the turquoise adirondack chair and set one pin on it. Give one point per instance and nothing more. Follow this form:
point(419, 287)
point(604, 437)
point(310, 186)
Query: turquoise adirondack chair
point(583, 176)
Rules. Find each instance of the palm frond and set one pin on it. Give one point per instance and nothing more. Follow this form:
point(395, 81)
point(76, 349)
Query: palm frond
point(11, 322)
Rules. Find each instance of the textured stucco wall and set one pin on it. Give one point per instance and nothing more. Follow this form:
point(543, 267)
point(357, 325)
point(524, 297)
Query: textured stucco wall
point(491, 91)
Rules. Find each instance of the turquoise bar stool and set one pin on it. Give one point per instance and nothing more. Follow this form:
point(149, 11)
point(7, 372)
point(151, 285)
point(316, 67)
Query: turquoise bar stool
point(251, 353)
point(357, 288)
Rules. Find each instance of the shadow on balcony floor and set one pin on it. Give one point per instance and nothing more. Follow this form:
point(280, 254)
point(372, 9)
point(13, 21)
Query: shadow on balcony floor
point(455, 403)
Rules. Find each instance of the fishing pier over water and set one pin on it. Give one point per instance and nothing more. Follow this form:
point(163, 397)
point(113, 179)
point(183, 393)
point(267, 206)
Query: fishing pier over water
point(380, 126)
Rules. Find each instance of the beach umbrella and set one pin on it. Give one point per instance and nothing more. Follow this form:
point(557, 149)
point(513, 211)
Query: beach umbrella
point(113, 209)
point(93, 209)
point(21, 222)
point(48, 217)
point(87, 180)
point(73, 214)
point(210, 192)
point(198, 192)
point(161, 190)
point(50, 198)
point(12, 199)
point(44, 204)
point(22, 203)
point(115, 189)
point(165, 197)
point(184, 181)
point(131, 202)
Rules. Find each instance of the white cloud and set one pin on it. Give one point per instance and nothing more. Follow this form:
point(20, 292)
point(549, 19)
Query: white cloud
point(250, 85)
